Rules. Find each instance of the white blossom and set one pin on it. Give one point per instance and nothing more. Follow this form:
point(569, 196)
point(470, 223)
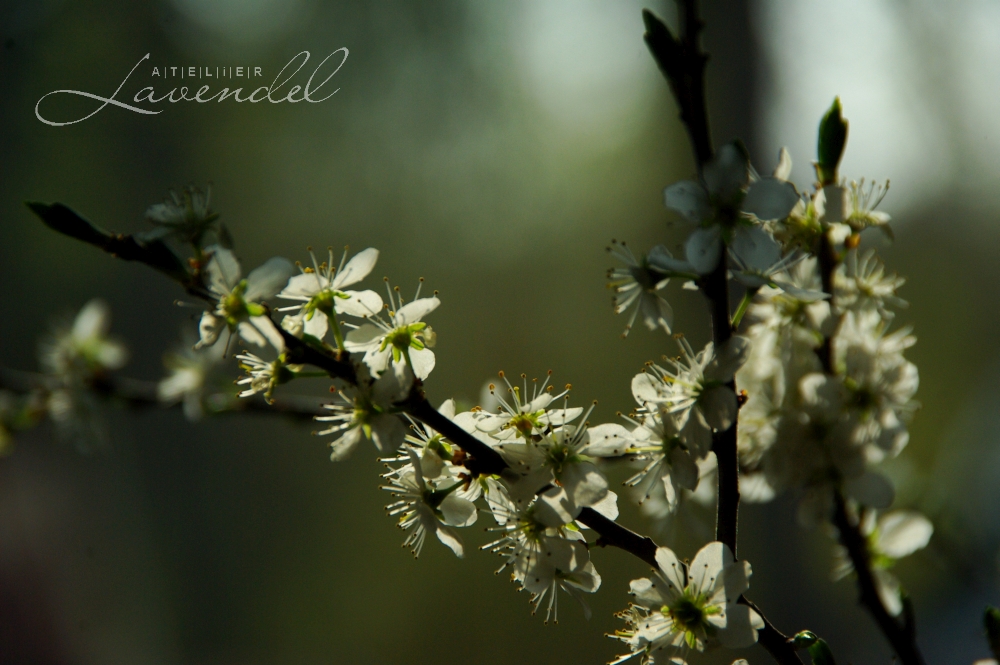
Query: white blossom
point(368, 411)
point(320, 290)
point(684, 608)
point(725, 202)
point(403, 337)
point(639, 281)
point(891, 537)
point(424, 505)
point(238, 308)
point(693, 387)
point(522, 417)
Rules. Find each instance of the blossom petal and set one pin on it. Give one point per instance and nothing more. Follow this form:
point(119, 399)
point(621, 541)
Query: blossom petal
point(703, 248)
point(584, 484)
point(903, 532)
point(672, 570)
point(342, 448)
point(223, 271)
point(356, 269)
point(608, 440)
point(770, 198)
point(689, 199)
point(267, 280)
point(742, 624)
point(363, 338)
point(415, 311)
point(728, 171)
point(303, 286)
point(457, 511)
point(423, 362)
point(359, 303)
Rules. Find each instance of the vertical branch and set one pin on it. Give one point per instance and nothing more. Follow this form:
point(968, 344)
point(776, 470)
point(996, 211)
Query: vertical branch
point(900, 636)
point(683, 63)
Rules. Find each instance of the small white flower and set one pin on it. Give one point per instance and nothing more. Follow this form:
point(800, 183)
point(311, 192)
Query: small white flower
point(321, 291)
point(684, 608)
point(725, 203)
point(656, 441)
point(694, 389)
point(853, 205)
point(187, 217)
point(890, 538)
point(638, 282)
point(861, 283)
point(264, 376)
point(238, 308)
point(564, 456)
point(424, 505)
point(403, 337)
point(85, 347)
point(189, 370)
point(522, 417)
point(543, 553)
point(369, 411)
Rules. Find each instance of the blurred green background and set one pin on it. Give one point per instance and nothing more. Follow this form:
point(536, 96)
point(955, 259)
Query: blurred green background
point(493, 149)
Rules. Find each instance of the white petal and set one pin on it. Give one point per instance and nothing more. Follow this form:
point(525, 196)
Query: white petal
point(903, 532)
point(316, 326)
point(742, 624)
point(706, 568)
point(770, 198)
point(249, 333)
point(457, 511)
point(584, 484)
point(703, 248)
point(415, 311)
point(223, 271)
point(683, 469)
point(267, 280)
point(302, 286)
point(92, 321)
point(388, 433)
point(727, 172)
point(719, 407)
point(888, 591)
point(661, 259)
point(266, 328)
point(645, 388)
point(608, 440)
point(784, 167)
point(209, 328)
point(608, 506)
point(671, 569)
point(356, 269)
point(756, 249)
point(363, 338)
point(650, 594)
point(554, 508)
point(656, 312)
point(360, 303)
point(423, 362)
point(342, 448)
point(730, 357)
point(689, 199)
point(836, 203)
point(450, 539)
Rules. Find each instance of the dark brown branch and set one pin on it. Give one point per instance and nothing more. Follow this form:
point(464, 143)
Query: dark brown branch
point(900, 636)
point(139, 394)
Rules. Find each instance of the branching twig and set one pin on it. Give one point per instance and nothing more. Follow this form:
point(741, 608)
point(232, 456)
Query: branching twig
point(900, 636)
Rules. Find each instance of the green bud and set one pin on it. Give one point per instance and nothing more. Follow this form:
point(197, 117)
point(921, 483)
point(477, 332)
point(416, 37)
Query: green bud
point(804, 639)
point(830, 147)
point(991, 619)
point(821, 654)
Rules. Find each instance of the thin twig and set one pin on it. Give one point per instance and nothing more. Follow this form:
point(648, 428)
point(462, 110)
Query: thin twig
point(900, 636)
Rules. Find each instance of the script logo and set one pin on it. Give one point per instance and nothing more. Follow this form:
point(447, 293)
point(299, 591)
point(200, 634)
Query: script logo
point(147, 95)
